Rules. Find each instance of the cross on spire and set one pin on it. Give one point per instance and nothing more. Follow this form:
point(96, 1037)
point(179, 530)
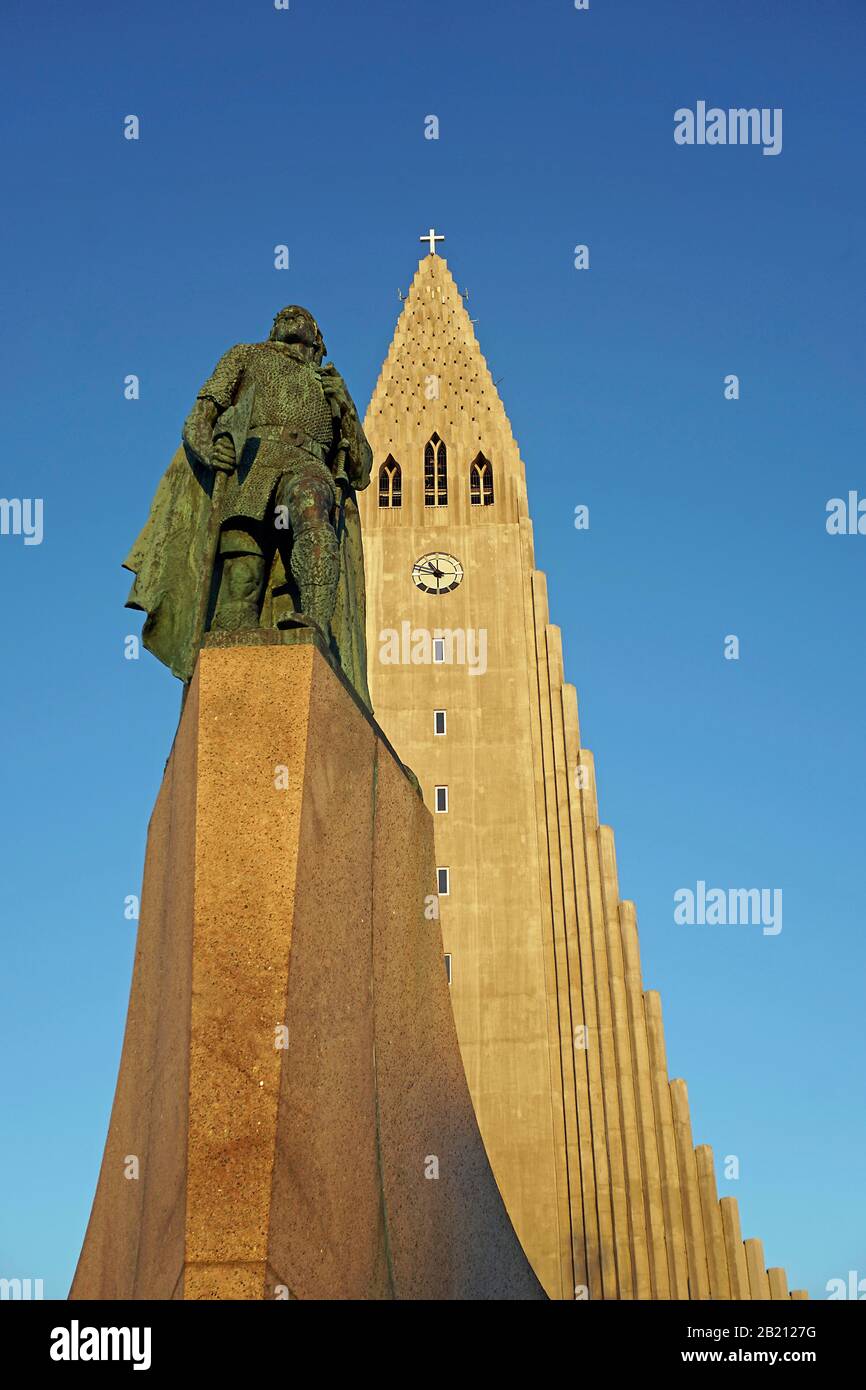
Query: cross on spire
point(432, 237)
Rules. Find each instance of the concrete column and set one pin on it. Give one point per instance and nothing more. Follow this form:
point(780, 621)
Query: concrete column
point(624, 1066)
point(696, 1247)
point(583, 994)
point(717, 1262)
point(778, 1281)
point(601, 1162)
point(738, 1272)
point(669, 1168)
point(554, 965)
point(607, 1047)
point(758, 1281)
point(561, 834)
point(649, 1149)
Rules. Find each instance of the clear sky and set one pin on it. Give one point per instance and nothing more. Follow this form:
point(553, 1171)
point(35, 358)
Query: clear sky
point(707, 515)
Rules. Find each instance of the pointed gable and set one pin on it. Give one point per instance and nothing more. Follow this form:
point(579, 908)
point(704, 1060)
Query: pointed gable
point(435, 380)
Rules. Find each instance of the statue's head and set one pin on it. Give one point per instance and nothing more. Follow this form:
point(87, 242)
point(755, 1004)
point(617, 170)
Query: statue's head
point(296, 325)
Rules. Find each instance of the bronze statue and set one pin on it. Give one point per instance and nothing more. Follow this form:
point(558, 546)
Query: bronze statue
point(255, 522)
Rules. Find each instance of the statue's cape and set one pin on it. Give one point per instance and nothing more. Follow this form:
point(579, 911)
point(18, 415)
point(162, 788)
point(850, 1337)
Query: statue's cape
point(168, 560)
point(170, 557)
point(349, 623)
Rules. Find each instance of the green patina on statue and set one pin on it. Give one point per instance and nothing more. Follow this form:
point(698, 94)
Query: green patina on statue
point(255, 523)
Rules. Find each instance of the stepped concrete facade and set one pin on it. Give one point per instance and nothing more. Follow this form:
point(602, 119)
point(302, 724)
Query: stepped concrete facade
point(590, 1141)
point(292, 1119)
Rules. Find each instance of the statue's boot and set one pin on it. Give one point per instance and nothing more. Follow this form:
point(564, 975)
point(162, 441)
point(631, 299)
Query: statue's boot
point(235, 616)
point(237, 604)
point(315, 564)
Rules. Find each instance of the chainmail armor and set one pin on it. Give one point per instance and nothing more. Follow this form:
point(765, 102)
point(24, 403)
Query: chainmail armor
point(288, 392)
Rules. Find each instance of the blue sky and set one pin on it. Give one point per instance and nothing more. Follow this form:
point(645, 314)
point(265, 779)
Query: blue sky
point(306, 127)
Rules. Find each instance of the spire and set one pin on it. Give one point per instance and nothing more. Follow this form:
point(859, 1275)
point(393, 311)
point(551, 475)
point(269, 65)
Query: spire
point(435, 378)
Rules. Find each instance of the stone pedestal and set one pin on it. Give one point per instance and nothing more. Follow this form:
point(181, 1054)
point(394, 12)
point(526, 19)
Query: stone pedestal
point(291, 1117)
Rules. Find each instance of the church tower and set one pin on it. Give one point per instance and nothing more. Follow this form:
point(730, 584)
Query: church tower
point(589, 1141)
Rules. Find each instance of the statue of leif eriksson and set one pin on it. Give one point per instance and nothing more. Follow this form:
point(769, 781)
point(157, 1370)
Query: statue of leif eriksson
point(255, 523)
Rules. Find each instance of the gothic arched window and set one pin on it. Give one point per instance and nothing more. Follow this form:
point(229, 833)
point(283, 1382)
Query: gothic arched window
point(390, 483)
point(435, 473)
point(481, 482)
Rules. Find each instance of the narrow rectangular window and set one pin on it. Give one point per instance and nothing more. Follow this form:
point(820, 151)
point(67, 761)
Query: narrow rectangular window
point(439, 721)
point(443, 882)
point(438, 650)
point(441, 798)
point(448, 966)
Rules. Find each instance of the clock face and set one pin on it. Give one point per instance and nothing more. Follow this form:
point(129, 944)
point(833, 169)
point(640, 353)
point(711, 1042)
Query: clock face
point(437, 573)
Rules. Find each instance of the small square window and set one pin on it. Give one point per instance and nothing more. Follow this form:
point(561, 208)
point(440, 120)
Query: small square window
point(439, 721)
point(448, 966)
point(443, 882)
point(441, 798)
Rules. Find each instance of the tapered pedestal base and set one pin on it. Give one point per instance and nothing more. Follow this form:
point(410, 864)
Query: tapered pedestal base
point(291, 1116)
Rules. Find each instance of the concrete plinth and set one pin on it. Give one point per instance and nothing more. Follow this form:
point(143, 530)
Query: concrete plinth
point(291, 1117)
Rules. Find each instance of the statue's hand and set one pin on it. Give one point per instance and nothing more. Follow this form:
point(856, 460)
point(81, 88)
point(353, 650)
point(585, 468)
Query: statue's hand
point(333, 384)
point(223, 454)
